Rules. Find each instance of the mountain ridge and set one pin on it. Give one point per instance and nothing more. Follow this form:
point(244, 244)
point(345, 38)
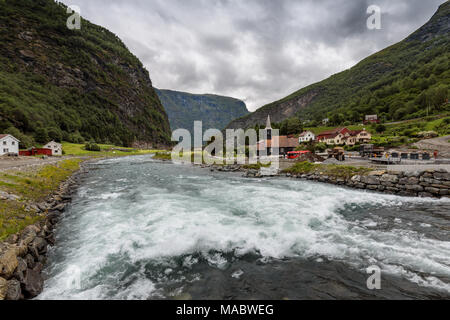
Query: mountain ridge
point(358, 91)
point(215, 111)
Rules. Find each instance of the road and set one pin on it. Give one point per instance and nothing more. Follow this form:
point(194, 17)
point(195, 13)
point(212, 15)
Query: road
point(20, 163)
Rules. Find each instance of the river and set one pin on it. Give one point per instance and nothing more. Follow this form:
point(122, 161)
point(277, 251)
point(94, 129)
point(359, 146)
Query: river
point(143, 229)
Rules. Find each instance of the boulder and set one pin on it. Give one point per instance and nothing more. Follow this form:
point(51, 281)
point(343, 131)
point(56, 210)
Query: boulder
point(19, 274)
point(442, 175)
point(33, 283)
point(14, 292)
point(30, 261)
point(391, 178)
point(8, 260)
point(3, 288)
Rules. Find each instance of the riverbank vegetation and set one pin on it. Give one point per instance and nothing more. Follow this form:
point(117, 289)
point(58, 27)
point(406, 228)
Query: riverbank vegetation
point(75, 149)
point(21, 190)
point(338, 171)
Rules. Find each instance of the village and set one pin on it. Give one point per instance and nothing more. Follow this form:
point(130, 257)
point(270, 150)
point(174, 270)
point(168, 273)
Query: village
point(343, 145)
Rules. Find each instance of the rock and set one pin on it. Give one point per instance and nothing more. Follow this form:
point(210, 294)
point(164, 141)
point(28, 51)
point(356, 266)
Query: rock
point(389, 178)
point(356, 178)
point(60, 207)
point(40, 244)
point(3, 288)
point(8, 260)
point(14, 292)
point(30, 261)
point(27, 55)
point(414, 187)
point(442, 176)
point(19, 274)
point(33, 283)
point(370, 180)
point(28, 234)
point(372, 187)
point(432, 190)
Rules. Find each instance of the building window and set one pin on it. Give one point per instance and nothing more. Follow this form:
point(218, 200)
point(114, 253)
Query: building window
point(4, 143)
point(5, 150)
point(13, 143)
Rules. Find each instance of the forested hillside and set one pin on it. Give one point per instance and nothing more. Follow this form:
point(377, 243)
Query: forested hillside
point(73, 85)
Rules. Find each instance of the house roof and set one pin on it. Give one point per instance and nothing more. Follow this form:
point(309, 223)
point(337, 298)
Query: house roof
point(283, 142)
point(330, 132)
point(54, 143)
point(304, 133)
point(6, 135)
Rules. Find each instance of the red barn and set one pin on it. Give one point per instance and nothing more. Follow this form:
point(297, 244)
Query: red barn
point(36, 152)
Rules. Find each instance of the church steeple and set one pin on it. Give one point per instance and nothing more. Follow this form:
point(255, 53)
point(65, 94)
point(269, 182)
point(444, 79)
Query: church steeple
point(268, 128)
point(268, 124)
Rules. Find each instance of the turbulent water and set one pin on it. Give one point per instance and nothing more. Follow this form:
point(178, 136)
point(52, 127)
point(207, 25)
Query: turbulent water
point(142, 229)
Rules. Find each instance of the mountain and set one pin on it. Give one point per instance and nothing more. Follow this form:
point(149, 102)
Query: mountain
point(214, 111)
point(74, 85)
point(407, 80)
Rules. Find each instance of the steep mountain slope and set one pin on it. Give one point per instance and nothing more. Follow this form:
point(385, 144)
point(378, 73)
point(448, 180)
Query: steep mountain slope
point(72, 84)
point(409, 79)
point(185, 108)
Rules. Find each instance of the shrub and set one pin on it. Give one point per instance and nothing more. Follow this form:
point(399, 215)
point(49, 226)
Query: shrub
point(92, 146)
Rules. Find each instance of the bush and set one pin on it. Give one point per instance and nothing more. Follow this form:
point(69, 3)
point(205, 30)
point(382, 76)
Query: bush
point(92, 146)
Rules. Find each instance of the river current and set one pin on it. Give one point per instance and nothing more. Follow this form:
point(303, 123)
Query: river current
point(142, 229)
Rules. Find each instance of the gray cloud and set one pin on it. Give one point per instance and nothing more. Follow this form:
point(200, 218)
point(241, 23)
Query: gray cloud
point(255, 50)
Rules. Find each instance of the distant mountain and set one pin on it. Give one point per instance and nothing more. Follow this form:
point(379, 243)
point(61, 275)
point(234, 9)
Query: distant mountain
point(75, 85)
point(407, 80)
point(214, 111)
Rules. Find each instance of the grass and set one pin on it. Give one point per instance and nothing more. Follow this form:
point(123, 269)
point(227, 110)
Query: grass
point(337, 171)
point(30, 186)
point(106, 150)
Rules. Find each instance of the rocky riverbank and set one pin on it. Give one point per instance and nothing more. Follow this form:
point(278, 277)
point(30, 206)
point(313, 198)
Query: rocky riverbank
point(428, 183)
point(23, 255)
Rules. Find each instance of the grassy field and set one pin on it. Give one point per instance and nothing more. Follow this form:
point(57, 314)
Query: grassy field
point(30, 187)
point(106, 150)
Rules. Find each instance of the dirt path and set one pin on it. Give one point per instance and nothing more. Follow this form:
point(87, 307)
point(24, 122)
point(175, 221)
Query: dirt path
point(440, 144)
point(19, 163)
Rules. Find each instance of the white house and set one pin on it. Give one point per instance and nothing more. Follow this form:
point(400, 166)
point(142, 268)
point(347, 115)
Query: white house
point(55, 147)
point(306, 137)
point(8, 144)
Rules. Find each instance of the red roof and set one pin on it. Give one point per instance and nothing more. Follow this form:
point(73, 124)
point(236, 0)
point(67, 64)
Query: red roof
point(3, 135)
point(283, 142)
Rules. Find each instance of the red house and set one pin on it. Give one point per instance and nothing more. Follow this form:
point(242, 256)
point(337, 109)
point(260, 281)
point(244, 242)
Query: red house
point(36, 152)
point(331, 134)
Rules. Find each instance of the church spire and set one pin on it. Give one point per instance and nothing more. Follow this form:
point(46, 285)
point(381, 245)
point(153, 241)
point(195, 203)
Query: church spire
point(268, 124)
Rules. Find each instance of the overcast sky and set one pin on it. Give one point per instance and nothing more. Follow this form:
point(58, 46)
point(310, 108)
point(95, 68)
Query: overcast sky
point(255, 50)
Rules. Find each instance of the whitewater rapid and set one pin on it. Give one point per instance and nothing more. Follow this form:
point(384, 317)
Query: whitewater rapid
point(137, 229)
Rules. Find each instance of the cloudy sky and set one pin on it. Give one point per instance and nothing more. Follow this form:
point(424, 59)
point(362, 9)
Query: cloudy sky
point(255, 50)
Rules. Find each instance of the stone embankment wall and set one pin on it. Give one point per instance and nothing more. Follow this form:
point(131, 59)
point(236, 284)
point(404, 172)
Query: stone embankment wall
point(23, 255)
point(429, 183)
